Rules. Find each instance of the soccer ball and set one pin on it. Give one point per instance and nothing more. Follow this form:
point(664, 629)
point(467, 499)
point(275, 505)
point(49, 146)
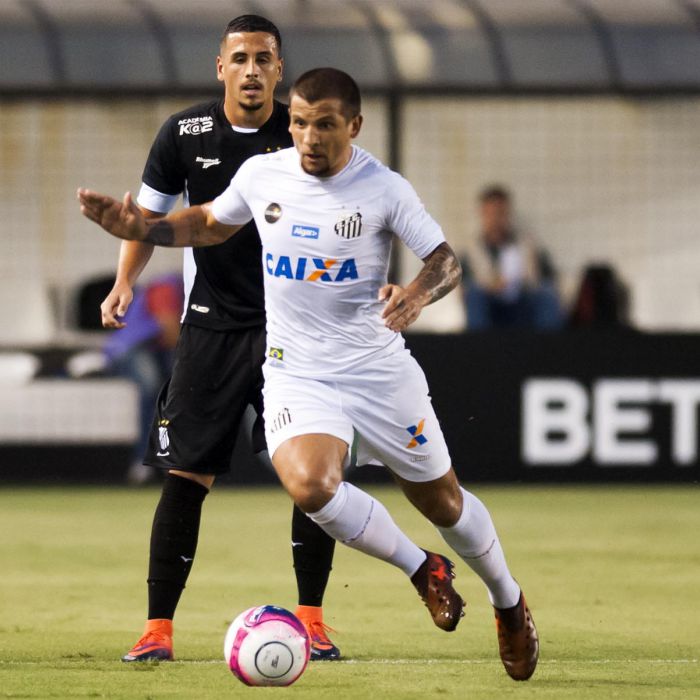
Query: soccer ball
point(267, 645)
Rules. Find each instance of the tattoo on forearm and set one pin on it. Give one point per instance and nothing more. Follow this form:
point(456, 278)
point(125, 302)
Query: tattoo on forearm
point(440, 274)
point(161, 233)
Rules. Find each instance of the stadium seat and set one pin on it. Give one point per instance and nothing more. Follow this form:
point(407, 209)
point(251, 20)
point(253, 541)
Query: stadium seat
point(18, 368)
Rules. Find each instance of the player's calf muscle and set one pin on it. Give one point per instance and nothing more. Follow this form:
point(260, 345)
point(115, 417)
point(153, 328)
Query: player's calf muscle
point(440, 500)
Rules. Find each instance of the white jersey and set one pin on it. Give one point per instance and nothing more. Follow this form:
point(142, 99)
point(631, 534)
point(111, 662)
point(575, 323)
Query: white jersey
point(326, 245)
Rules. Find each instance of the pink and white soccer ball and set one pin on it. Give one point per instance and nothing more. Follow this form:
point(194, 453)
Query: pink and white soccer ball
point(267, 645)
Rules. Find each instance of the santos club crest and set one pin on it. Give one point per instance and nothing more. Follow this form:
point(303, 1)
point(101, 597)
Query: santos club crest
point(350, 226)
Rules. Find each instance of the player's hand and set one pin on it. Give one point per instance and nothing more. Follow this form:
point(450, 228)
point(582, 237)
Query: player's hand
point(115, 304)
point(121, 219)
point(402, 308)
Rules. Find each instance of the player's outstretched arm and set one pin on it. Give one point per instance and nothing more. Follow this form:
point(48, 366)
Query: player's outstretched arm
point(440, 274)
point(195, 226)
point(133, 258)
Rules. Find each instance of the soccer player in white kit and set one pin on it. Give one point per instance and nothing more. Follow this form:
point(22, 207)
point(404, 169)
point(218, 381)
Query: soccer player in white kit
point(336, 363)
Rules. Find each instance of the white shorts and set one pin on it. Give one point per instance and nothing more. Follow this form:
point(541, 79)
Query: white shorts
point(385, 403)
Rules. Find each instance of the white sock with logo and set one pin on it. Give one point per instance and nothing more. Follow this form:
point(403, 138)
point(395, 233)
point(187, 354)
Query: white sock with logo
point(356, 519)
point(474, 538)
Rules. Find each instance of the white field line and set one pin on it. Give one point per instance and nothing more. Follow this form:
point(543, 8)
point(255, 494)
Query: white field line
point(391, 662)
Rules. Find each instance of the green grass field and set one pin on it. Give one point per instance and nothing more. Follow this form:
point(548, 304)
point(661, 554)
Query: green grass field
point(612, 575)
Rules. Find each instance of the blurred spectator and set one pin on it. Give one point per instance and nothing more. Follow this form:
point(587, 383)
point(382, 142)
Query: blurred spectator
point(602, 300)
point(143, 352)
point(509, 281)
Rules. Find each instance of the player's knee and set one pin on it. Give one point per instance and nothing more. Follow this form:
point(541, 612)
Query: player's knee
point(444, 514)
point(311, 491)
point(206, 480)
point(446, 508)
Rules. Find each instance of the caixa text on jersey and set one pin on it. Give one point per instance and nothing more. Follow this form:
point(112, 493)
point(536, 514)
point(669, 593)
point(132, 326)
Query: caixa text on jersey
point(311, 269)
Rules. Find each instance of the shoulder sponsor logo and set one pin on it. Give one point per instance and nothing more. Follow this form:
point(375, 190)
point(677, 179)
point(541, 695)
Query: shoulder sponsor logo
point(300, 231)
point(273, 213)
point(349, 226)
point(207, 162)
point(195, 125)
point(311, 269)
point(201, 309)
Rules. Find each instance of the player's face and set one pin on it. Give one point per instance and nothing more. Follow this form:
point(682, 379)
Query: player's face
point(322, 134)
point(250, 68)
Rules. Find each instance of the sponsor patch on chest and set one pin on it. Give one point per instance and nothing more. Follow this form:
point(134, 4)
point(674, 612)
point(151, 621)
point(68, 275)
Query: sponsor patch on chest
point(311, 269)
point(195, 125)
point(302, 231)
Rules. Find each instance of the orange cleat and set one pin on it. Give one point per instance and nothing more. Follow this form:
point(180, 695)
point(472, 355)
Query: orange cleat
point(433, 581)
point(322, 648)
point(156, 644)
point(518, 642)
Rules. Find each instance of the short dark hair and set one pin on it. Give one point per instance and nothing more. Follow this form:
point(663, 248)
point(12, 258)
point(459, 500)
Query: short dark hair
point(253, 23)
point(497, 192)
point(324, 83)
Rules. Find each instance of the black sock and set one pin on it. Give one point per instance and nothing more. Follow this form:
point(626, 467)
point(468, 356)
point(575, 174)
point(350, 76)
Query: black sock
point(312, 550)
point(173, 543)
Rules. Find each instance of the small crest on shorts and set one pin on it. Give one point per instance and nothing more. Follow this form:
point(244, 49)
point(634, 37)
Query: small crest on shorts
point(273, 213)
point(276, 353)
point(284, 417)
point(417, 433)
point(163, 438)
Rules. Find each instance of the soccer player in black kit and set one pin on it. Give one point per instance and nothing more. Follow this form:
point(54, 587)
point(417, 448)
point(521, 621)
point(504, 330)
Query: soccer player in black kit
point(220, 352)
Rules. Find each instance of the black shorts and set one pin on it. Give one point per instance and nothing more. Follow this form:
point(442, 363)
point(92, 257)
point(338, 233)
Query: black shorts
point(216, 376)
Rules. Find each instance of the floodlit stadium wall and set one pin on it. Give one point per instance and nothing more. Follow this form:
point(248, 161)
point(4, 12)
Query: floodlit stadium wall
point(595, 179)
point(49, 149)
point(586, 109)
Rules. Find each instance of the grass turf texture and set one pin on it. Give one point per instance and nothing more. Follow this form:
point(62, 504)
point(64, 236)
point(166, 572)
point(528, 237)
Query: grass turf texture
point(612, 575)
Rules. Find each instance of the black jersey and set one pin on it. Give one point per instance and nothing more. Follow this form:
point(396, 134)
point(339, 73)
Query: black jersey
point(196, 153)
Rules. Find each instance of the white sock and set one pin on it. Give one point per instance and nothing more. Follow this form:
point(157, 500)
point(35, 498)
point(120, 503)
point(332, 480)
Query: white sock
point(356, 519)
point(474, 538)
